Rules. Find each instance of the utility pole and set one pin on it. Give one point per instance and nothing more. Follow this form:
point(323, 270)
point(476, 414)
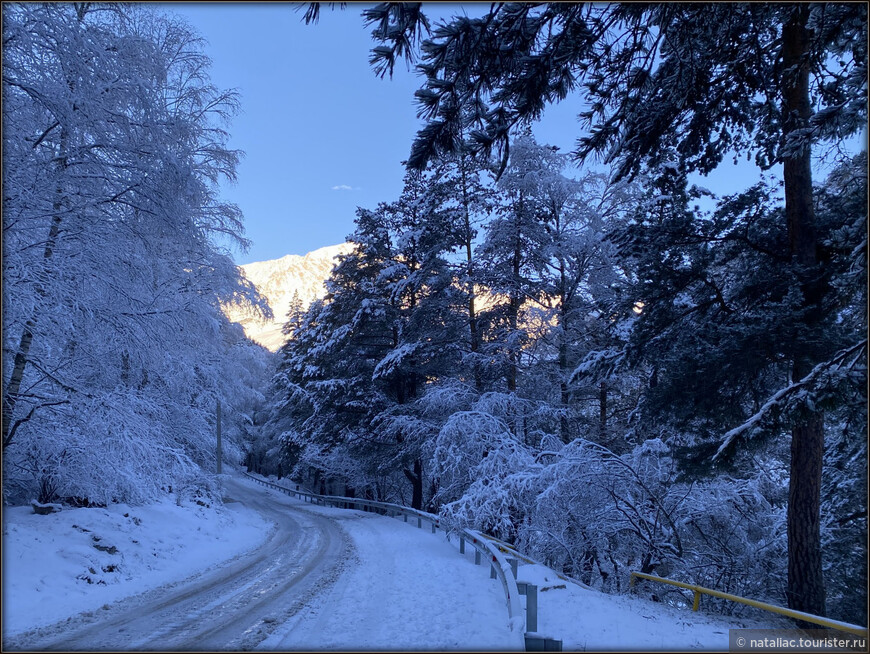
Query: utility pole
point(219, 457)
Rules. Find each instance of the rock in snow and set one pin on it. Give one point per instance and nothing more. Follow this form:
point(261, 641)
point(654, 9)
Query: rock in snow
point(45, 509)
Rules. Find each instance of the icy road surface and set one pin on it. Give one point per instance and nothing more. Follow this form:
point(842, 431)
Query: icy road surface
point(324, 578)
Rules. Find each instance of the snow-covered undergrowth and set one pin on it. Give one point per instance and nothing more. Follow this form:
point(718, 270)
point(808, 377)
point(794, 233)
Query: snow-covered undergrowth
point(58, 565)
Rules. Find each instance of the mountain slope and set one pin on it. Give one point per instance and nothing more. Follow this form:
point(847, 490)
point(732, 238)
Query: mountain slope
point(278, 279)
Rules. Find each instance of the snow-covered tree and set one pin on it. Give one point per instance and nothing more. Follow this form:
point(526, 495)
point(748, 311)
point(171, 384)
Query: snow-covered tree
point(116, 347)
point(699, 81)
point(460, 188)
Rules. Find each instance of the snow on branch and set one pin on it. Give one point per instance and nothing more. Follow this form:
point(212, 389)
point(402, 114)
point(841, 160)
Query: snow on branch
point(837, 362)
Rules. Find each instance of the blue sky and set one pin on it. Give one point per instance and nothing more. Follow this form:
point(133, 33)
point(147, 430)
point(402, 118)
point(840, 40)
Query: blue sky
point(321, 132)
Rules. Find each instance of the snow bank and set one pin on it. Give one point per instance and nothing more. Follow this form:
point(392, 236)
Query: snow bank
point(58, 565)
point(591, 620)
point(411, 590)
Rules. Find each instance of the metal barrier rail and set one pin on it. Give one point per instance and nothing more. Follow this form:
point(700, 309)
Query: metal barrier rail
point(791, 613)
point(510, 550)
point(499, 566)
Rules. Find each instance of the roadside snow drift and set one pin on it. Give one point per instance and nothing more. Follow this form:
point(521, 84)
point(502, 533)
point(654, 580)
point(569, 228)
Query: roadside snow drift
point(62, 564)
point(590, 620)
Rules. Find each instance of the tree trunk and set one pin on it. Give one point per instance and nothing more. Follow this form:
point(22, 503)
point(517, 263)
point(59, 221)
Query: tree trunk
point(563, 350)
point(11, 390)
point(602, 412)
point(468, 237)
point(588, 560)
point(416, 479)
point(806, 589)
point(563, 390)
point(513, 355)
point(514, 305)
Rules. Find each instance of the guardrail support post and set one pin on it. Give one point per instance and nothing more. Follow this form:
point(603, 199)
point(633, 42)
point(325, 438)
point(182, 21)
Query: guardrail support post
point(419, 522)
point(476, 557)
point(405, 516)
point(514, 563)
point(462, 544)
point(697, 602)
point(492, 569)
point(531, 607)
point(434, 527)
point(535, 643)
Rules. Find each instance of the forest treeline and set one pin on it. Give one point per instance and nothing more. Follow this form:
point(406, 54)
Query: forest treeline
point(613, 368)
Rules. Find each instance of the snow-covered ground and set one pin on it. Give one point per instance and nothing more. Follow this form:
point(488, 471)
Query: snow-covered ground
point(58, 565)
point(403, 587)
point(430, 566)
point(590, 620)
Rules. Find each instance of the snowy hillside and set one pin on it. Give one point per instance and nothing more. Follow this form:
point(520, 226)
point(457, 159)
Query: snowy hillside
point(278, 280)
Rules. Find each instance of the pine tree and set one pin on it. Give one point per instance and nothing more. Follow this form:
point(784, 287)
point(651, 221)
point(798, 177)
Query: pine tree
point(699, 80)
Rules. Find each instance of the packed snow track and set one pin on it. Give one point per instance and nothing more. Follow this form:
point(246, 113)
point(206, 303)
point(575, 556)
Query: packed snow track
point(232, 607)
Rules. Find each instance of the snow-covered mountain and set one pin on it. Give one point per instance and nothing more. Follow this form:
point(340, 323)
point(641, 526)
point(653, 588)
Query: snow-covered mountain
point(278, 279)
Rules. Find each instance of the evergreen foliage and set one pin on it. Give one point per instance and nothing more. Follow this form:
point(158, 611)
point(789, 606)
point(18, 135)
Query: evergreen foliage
point(663, 379)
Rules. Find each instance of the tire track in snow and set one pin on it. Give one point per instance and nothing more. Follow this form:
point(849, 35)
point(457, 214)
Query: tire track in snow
point(232, 607)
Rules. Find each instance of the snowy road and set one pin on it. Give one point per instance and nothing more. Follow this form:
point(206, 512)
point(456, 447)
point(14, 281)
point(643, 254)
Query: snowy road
point(325, 578)
point(233, 607)
point(407, 589)
point(309, 578)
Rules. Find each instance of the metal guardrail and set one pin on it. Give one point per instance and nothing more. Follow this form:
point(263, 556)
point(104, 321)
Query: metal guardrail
point(790, 613)
point(510, 550)
point(499, 566)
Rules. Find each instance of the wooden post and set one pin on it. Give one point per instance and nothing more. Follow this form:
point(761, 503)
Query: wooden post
point(219, 453)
